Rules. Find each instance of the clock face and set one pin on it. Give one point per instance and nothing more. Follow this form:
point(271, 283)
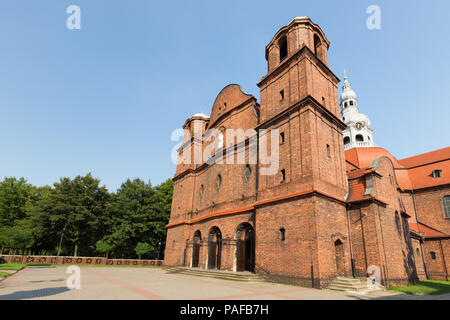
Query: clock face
point(359, 126)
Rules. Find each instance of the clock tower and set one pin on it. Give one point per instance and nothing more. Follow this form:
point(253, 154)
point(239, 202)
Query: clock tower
point(358, 133)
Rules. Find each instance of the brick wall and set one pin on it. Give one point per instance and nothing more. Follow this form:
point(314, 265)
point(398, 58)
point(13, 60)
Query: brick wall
point(437, 264)
point(430, 209)
point(78, 260)
point(419, 259)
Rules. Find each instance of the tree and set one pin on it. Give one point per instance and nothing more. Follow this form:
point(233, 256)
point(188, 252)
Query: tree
point(128, 214)
point(143, 248)
point(6, 238)
point(18, 236)
point(161, 207)
point(140, 213)
point(82, 217)
point(104, 246)
point(14, 195)
point(73, 211)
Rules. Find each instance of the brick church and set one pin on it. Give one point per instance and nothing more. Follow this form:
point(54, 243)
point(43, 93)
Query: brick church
point(338, 205)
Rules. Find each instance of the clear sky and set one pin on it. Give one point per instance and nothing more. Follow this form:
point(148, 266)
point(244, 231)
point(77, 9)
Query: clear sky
point(105, 99)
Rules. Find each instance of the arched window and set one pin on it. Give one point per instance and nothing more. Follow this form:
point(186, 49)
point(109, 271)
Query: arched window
point(282, 138)
point(418, 252)
point(247, 172)
point(283, 175)
point(197, 236)
point(397, 222)
point(447, 207)
point(220, 140)
point(202, 191)
point(359, 138)
point(346, 140)
point(218, 181)
point(282, 234)
point(433, 255)
point(316, 44)
point(283, 48)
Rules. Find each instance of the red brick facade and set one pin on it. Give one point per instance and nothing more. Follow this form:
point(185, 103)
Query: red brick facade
point(318, 217)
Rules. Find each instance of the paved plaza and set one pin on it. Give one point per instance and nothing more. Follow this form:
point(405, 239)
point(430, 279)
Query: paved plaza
point(109, 283)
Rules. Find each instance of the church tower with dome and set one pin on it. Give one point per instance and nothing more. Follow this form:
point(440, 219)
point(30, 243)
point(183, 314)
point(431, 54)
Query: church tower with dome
point(336, 207)
point(358, 133)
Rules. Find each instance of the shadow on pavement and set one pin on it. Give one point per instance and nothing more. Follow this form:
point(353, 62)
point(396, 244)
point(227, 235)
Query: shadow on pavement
point(39, 293)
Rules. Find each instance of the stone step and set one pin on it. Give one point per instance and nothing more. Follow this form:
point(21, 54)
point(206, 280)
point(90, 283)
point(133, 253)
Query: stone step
point(338, 287)
point(222, 272)
point(351, 280)
point(220, 275)
point(357, 284)
point(217, 274)
point(341, 284)
point(350, 284)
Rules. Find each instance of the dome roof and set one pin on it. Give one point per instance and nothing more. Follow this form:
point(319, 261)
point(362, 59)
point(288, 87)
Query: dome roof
point(364, 157)
point(347, 91)
point(201, 115)
point(356, 117)
point(348, 94)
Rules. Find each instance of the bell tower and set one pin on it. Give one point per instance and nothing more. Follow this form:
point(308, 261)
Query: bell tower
point(299, 97)
point(358, 133)
point(306, 198)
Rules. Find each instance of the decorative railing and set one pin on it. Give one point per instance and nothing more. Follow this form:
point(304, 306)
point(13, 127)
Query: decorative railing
point(357, 144)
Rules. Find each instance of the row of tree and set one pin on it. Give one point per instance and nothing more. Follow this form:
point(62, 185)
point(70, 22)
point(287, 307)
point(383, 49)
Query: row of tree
point(79, 217)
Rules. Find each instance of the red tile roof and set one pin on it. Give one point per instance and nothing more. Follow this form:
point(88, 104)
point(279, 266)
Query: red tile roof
point(426, 158)
point(356, 190)
point(422, 177)
point(427, 231)
point(411, 173)
point(363, 157)
point(358, 173)
point(350, 166)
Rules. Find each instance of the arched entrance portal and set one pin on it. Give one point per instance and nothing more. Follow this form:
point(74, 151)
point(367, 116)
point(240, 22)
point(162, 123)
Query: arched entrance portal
point(339, 252)
point(196, 249)
point(214, 248)
point(245, 248)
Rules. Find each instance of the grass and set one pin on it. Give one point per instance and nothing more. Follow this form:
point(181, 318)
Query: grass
point(12, 266)
point(430, 287)
point(4, 275)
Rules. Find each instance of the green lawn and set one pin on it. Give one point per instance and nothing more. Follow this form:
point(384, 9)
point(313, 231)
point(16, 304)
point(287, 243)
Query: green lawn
point(4, 275)
point(425, 287)
point(12, 266)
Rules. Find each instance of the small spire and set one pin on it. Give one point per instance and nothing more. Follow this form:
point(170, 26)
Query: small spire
point(346, 83)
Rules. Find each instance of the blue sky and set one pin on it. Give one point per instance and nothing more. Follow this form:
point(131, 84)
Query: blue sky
point(105, 99)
